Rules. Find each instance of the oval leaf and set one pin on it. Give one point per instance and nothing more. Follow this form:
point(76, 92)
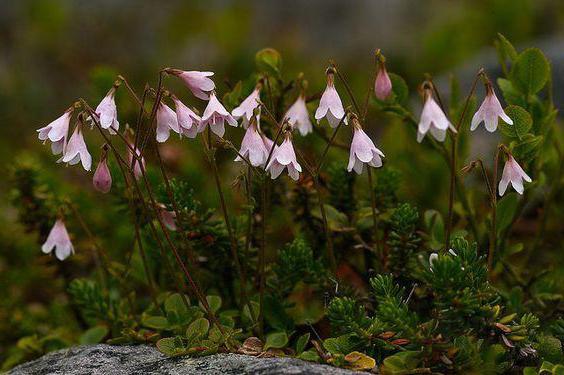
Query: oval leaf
point(522, 122)
point(530, 71)
point(276, 340)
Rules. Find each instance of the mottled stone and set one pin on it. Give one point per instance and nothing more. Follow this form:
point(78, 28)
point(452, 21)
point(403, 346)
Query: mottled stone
point(142, 359)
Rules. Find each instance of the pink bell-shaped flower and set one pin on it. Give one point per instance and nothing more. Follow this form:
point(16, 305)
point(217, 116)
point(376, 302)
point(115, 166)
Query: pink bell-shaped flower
point(512, 172)
point(166, 120)
point(107, 112)
point(246, 109)
point(363, 150)
point(76, 150)
point(330, 105)
point(138, 173)
point(382, 84)
point(215, 116)
point(433, 119)
point(187, 120)
point(102, 179)
point(268, 143)
point(489, 112)
point(298, 116)
point(56, 132)
point(59, 240)
point(283, 157)
point(198, 82)
point(253, 147)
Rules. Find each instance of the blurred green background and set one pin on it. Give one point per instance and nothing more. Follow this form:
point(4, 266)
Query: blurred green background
point(55, 51)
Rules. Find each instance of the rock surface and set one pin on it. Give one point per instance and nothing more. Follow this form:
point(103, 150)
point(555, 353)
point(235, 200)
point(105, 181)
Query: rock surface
point(142, 359)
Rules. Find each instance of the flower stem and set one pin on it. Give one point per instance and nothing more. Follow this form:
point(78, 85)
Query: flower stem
point(375, 217)
point(454, 155)
point(262, 260)
point(493, 234)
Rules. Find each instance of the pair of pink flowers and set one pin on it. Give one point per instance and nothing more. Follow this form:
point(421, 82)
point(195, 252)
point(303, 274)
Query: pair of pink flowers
point(74, 150)
point(514, 174)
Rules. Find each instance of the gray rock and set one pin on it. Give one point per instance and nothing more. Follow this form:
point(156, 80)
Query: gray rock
point(143, 359)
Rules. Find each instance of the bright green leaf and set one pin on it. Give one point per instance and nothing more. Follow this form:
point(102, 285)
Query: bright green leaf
point(302, 342)
point(527, 148)
point(268, 60)
point(197, 329)
point(522, 122)
point(399, 88)
point(505, 48)
point(530, 71)
point(276, 340)
point(155, 322)
point(94, 335)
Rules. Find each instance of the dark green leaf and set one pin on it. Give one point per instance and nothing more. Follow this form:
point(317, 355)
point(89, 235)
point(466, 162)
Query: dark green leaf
point(506, 208)
point(505, 48)
point(155, 322)
point(522, 122)
point(399, 88)
point(302, 342)
point(94, 335)
point(527, 148)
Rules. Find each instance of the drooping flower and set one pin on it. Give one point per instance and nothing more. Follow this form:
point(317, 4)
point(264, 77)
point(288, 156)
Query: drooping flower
point(198, 82)
point(512, 172)
point(283, 157)
point(133, 161)
point(268, 143)
point(57, 132)
point(253, 147)
point(489, 112)
point(433, 119)
point(58, 239)
point(246, 109)
point(330, 105)
point(166, 120)
point(363, 150)
point(382, 84)
point(187, 120)
point(298, 117)
point(215, 116)
point(107, 112)
point(76, 150)
point(168, 217)
point(102, 179)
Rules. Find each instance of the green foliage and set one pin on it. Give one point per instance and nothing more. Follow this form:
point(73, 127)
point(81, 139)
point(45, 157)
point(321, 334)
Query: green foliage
point(341, 189)
point(403, 239)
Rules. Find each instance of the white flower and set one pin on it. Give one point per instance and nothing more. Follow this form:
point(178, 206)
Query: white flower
point(283, 157)
point(57, 132)
point(59, 240)
point(330, 105)
point(298, 116)
point(363, 151)
point(434, 120)
point(489, 112)
point(512, 172)
point(215, 116)
point(253, 147)
point(76, 150)
point(188, 121)
point(166, 120)
point(246, 109)
point(107, 112)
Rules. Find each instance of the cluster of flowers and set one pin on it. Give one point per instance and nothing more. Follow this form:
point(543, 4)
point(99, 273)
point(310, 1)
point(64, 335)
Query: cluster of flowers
point(256, 147)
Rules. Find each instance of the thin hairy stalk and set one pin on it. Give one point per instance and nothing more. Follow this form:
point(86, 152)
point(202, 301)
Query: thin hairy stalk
point(329, 144)
point(347, 87)
point(454, 156)
point(100, 255)
point(210, 152)
point(374, 215)
point(328, 238)
point(262, 258)
point(493, 234)
point(150, 127)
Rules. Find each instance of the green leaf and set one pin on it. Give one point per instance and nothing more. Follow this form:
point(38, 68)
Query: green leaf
point(155, 322)
point(268, 60)
point(302, 342)
point(197, 329)
point(435, 226)
point(400, 363)
point(214, 302)
point(527, 148)
point(522, 122)
point(530, 71)
point(335, 218)
point(94, 335)
point(342, 344)
point(399, 88)
point(276, 340)
point(174, 304)
point(310, 355)
point(510, 93)
point(505, 48)
point(506, 209)
point(171, 346)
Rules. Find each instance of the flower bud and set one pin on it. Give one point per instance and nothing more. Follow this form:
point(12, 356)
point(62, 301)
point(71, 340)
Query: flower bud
point(102, 179)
